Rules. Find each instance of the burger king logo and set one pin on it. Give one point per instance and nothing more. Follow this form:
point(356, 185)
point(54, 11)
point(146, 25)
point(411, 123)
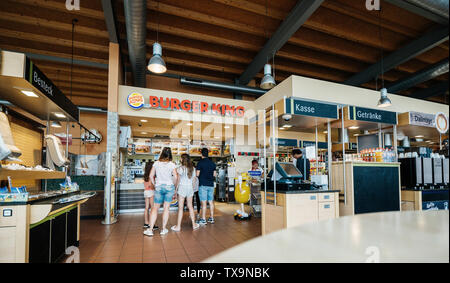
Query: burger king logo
point(135, 100)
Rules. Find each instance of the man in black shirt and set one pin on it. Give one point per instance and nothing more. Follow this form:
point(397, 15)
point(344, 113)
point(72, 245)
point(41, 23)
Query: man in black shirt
point(206, 173)
point(301, 162)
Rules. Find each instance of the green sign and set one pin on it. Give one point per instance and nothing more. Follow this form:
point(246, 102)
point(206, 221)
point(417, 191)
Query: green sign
point(309, 108)
point(372, 115)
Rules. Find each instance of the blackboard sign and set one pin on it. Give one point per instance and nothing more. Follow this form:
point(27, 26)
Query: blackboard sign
point(368, 142)
point(309, 108)
point(372, 115)
point(376, 189)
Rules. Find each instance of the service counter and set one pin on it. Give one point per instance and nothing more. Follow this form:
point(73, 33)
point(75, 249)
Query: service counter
point(40, 230)
point(425, 199)
point(296, 207)
point(366, 187)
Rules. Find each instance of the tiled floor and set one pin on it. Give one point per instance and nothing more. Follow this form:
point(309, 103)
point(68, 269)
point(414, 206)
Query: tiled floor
point(124, 241)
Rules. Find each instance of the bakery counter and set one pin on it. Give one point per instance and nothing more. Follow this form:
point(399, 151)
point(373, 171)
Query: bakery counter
point(40, 229)
point(291, 208)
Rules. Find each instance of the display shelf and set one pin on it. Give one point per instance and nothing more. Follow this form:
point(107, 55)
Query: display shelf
point(30, 174)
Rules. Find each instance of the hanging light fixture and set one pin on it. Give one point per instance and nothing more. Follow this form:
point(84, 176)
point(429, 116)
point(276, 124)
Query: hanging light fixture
point(267, 81)
point(156, 64)
point(384, 99)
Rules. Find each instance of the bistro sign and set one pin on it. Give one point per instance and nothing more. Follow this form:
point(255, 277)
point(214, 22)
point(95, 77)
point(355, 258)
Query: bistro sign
point(136, 101)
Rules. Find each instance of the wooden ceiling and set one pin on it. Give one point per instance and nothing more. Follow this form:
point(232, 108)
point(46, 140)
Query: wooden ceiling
point(217, 39)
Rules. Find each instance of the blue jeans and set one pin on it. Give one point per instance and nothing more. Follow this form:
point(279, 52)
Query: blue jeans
point(164, 193)
point(206, 193)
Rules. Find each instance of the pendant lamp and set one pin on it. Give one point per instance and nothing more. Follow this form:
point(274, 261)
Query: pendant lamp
point(267, 81)
point(156, 64)
point(384, 100)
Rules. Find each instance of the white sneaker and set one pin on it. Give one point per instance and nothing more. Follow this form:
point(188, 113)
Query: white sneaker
point(174, 228)
point(164, 231)
point(148, 232)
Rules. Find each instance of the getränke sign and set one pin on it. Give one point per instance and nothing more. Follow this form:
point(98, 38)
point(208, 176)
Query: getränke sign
point(137, 101)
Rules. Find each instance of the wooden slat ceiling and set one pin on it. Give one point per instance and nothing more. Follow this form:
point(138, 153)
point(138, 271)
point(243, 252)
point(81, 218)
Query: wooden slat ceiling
point(217, 39)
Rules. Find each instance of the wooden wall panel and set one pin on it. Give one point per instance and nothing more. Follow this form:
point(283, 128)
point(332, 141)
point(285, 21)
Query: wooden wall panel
point(29, 141)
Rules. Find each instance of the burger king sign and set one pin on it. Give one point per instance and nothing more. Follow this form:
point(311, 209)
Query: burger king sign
point(135, 100)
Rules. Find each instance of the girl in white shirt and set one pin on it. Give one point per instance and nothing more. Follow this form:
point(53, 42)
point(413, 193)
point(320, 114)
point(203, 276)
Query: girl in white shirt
point(163, 176)
point(185, 190)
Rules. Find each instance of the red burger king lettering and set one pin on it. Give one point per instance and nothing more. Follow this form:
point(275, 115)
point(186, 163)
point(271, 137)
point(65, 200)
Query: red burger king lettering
point(191, 106)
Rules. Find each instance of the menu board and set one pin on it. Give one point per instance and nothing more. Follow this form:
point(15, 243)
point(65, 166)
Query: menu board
point(139, 146)
point(215, 148)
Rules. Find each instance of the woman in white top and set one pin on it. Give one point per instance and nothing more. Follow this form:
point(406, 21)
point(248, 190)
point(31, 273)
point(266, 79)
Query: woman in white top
point(164, 176)
point(185, 189)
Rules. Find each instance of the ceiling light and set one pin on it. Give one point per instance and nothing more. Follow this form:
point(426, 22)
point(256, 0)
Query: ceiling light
point(384, 100)
point(144, 133)
point(29, 93)
point(419, 136)
point(353, 127)
point(144, 121)
point(287, 126)
point(356, 135)
point(55, 124)
point(217, 137)
point(282, 128)
point(156, 64)
point(226, 127)
point(59, 115)
point(325, 132)
point(184, 136)
point(189, 124)
point(267, 81)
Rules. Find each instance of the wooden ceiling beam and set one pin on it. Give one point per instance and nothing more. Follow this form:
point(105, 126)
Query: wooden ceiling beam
point(60, 6)
point(24, 46)
point(32, 36)
point(51, 24)
point(90, 101)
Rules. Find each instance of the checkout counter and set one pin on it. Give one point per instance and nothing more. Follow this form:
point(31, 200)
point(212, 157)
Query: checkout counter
point(294, 201)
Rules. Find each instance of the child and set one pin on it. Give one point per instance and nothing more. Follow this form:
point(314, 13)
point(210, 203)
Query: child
point(149, 192)
point(185, 191)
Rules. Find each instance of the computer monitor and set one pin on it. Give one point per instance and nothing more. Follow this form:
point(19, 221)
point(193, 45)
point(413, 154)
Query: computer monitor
point(288, 170)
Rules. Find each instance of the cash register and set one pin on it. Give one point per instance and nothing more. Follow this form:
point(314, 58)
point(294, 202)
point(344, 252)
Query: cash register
point(289, 178)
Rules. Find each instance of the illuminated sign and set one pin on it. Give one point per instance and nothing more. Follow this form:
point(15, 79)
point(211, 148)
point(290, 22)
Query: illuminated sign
point(136, 101)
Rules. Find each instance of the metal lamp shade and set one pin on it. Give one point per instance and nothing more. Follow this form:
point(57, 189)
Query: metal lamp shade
point(156, 64)
point(384, 100)
point(268, 81)
point(405, 142)
point(387, 140)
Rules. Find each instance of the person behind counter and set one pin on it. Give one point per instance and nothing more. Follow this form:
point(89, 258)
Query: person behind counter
point(163, 176)
point(301, 163)
point(149, 192)
point(206, 172)
point(185, 189)
point(255, 167)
